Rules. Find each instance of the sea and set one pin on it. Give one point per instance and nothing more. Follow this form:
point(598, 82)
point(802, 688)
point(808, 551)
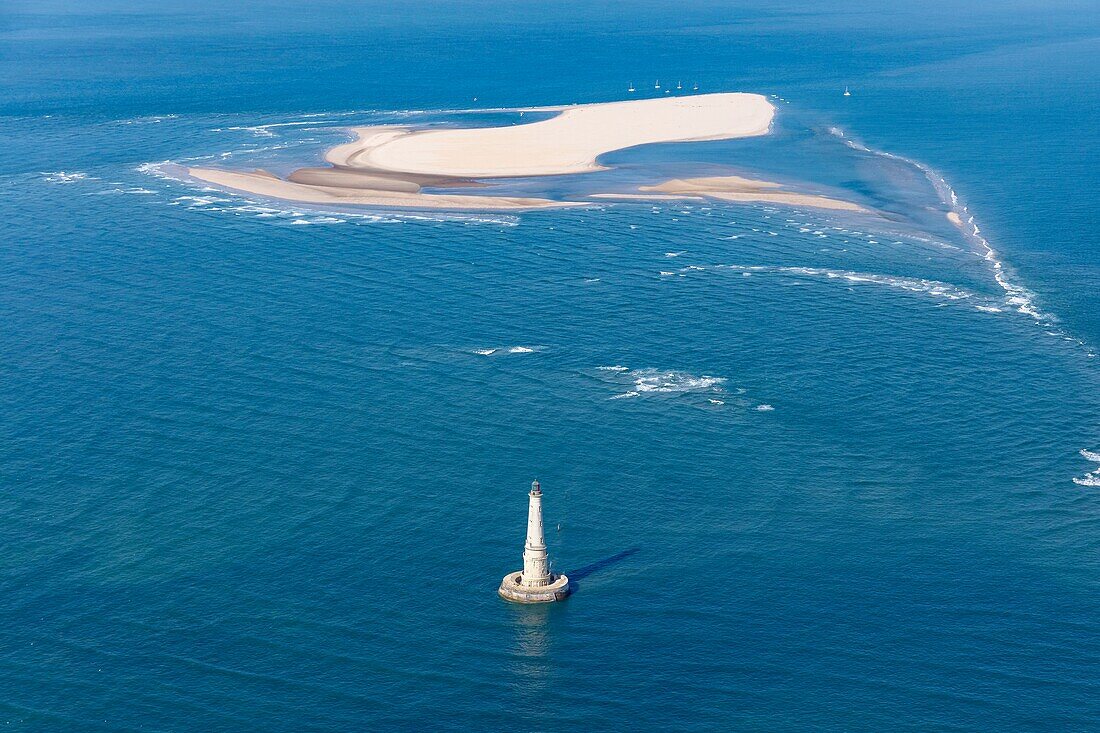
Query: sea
point(263, 465)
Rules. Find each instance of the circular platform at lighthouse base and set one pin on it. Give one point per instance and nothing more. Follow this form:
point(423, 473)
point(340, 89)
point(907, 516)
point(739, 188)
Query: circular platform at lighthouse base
point(512, 589)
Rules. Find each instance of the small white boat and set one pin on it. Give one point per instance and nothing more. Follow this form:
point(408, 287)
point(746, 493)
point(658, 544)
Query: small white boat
point(695, 88)
point(846, 92)
point(679, 85)
point(631, 87)
point(657, 84)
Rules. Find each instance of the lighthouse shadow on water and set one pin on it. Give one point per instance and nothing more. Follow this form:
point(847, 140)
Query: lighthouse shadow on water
point(578, 575)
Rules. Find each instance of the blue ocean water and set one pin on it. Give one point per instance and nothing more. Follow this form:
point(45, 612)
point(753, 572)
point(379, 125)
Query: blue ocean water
point(263, 466)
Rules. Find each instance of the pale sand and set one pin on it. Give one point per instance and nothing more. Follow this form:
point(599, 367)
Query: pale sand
point(388, 165)
point(735, 188)
point(954, 219)
point(567, 143)
point(262, 183)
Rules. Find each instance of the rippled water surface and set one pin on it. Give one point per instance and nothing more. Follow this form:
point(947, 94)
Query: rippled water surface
point(263, 466)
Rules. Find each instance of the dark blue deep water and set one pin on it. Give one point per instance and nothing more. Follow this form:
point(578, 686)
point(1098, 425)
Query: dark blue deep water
point(263, 467)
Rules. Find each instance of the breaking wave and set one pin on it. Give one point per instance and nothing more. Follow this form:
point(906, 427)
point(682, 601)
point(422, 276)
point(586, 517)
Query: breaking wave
point(150, 120)
point(934, 288)
point(66, 177)
point(663, 381)
point(501, 350)
point(1017, 295)
point(1092, 478)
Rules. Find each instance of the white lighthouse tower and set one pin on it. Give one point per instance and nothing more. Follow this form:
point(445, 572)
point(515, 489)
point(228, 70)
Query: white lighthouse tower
point(535, 583)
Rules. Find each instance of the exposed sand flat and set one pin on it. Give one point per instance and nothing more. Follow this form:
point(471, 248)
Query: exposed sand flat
point(645, 197)
point(342, 178)
point(389, 165)
point(365, 138)
point(735, 188)
point(262, 183)
point(570, 142)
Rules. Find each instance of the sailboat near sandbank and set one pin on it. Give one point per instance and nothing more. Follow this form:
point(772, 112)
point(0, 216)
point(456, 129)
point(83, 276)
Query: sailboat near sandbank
point(631, 87)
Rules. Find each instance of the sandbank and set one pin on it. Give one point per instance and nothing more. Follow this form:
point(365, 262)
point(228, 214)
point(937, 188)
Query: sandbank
point(389, 165)
point(262, 183)
point(736, 188)
point(569, 142)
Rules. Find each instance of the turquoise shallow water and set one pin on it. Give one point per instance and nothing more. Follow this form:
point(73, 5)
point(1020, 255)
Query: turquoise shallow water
point(264, 466)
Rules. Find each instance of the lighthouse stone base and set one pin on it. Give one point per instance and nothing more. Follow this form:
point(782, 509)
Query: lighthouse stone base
point(513, 589)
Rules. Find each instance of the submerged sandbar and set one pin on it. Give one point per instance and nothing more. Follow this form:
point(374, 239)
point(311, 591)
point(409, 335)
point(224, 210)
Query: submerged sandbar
point(736, 188)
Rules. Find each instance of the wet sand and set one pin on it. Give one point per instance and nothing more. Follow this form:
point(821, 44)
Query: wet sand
point(391, 165)
point(733, 188)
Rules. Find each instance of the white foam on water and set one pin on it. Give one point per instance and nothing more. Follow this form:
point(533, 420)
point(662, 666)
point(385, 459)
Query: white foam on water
point(764, 408)
point(1092, 478)
point(1016, 294)
point(159, 170)
point(200, 200)
point(132, 191)
point(503, 350)
point(644, 382)
point(318, 220)
point(266, 130)
point(934, 288)
point(150, 120)
point(653, 380)
point(66, 176)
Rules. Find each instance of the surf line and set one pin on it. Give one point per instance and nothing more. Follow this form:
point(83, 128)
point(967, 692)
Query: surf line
point(1016, 295)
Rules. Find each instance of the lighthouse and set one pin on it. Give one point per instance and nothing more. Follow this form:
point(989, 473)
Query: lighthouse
point(535, 583)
